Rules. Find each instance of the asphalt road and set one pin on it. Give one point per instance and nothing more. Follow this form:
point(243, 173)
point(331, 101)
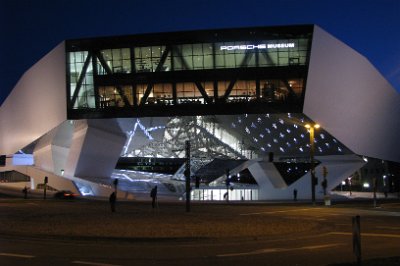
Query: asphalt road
point(328, 243)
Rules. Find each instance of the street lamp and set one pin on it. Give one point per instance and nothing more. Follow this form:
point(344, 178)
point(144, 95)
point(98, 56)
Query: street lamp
point(312, 165)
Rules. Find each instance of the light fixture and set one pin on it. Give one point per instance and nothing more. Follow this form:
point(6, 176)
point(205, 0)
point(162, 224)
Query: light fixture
point(314, 126)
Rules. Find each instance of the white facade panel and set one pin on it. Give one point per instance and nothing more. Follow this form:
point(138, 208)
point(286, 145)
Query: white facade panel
point(36, 105)
point(351, 99)
point(95, 148)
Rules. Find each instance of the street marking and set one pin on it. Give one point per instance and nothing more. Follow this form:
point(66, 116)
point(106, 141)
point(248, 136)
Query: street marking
point(389, 227)
point(365, 234)
point(392, 213)
point(390, 204)
point(292, 210)
point(17, 255)
point(92, 263)
point(273, 250)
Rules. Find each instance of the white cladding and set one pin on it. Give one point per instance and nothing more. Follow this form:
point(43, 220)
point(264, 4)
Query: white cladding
point(37, 103)
point(351, 99)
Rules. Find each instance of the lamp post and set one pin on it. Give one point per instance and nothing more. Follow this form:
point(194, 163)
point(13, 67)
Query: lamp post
point(312, 165)
point(187, 175)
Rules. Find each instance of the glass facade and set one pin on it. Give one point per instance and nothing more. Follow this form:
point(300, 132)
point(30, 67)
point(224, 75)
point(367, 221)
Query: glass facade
point(148, 58)
point(193, 56)
point(257, 71)
point(218, 194)
point(81, 80)
point(111, 96)
point(118, 61)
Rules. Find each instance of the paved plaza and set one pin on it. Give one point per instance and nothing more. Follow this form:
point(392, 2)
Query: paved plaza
point(284, 233)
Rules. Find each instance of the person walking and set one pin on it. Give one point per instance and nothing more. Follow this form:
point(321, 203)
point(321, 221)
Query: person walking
point(113, 199)
point(295, 194)
point(25, 191)
point(153, 195)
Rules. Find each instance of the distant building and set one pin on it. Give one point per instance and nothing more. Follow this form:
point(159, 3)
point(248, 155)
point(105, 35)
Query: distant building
point(241, 96)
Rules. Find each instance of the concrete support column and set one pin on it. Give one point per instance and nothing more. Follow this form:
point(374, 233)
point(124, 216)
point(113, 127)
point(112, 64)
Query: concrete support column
point(269, 181)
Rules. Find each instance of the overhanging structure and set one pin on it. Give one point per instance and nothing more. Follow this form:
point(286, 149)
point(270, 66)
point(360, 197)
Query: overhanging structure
point(236, 94)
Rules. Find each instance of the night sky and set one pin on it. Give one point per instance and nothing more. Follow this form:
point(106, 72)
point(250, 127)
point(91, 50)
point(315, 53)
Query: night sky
point(31, 28)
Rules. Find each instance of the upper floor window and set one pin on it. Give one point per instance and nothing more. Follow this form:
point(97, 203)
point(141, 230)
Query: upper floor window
point(193, 56)
point(235, 54)
point(283, 52)
point(148, 59)
point(117, 60)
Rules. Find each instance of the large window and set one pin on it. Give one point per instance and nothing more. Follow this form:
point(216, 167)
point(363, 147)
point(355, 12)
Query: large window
point(188, 92)
point(140, 91)
point(209, 88)
point(283, 53)
point(81, 80)
point(193, 56)
point(235, 54)
point(118, 61)
point(162, 93)
point(147, 59)
point(242, 90)
point(112, 96)
point(279, 91)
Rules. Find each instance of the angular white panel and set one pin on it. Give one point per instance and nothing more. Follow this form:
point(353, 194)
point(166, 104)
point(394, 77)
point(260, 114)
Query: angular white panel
point(267, 170)
point(51, 150)
point(95, 149)
point(36, 105)
point(351, 99)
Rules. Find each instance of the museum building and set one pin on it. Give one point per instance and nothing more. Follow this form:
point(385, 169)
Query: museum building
point(123, 107)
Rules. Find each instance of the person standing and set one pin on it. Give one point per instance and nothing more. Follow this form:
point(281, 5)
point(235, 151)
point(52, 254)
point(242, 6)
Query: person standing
point(153, 195)
point(113, 199)
point(25, 191)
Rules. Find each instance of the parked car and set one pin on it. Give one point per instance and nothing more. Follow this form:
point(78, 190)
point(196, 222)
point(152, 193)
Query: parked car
point(64, 194)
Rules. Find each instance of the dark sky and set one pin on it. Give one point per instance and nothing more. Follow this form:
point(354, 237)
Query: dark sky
point(31, 28)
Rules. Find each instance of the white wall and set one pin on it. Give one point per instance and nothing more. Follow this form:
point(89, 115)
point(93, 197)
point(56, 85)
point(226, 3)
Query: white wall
point(37, 103)
point(51, 150)
point(95, 148)
point(351, 99)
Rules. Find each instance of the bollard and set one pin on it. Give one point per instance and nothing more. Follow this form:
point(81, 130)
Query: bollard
point(357, 238)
